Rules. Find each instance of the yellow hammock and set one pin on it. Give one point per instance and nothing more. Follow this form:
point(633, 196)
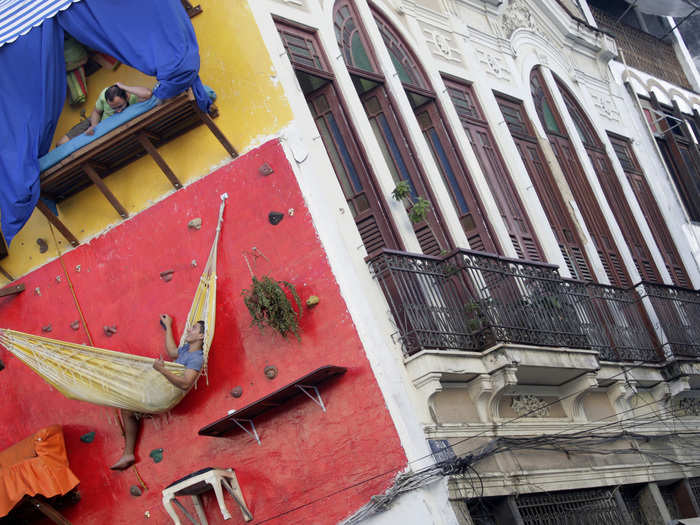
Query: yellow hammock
point(116, 379)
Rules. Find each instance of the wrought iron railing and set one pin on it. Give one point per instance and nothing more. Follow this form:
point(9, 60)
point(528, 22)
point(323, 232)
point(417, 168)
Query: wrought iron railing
point(518, 301)
point(678, 313)
point(626, 334)
point(468, 300)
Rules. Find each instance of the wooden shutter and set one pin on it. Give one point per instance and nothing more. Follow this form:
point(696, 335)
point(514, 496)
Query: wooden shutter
point(555, 209)
point(498, 179)
point(356, 181)
point(431, 232)
point(651, 211)
point(459, 185)
point(612, 189)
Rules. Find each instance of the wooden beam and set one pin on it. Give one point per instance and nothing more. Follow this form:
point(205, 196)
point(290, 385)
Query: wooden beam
point(217, 133)
point(6, 274)
point(153, 152)
point(43, 208)
point(97, 181)
point(12, 290)
point(47, 510)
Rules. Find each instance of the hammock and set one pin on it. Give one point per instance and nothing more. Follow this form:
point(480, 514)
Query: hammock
point(116, 379)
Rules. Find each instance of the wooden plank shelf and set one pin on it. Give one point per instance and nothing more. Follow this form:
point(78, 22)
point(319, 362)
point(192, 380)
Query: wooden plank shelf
point(243, 419)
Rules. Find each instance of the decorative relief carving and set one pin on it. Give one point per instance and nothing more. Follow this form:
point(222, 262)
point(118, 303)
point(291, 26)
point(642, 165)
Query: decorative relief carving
point(686, 406)
point(493, 64)
point(441, 44)
point(518, 15)
point(530, 405)
point(606, 107)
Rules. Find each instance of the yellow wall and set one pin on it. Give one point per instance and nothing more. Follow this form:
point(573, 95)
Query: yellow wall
point(235, 63)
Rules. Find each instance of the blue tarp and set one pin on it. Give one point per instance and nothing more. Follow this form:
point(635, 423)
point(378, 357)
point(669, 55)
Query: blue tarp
point(155, 37)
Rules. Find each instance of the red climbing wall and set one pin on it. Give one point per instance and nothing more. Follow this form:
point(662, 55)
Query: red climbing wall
point(312, 467)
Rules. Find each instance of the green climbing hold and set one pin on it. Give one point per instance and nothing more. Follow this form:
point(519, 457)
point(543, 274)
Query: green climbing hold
point(157, 455)
point(88, 438)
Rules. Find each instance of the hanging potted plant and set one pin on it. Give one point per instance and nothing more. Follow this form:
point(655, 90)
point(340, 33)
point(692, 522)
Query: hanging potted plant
point(418, 209)
point(269, 305)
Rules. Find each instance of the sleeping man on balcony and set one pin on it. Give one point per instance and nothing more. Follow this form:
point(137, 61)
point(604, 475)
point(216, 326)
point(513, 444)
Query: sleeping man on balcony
point(191, 355)
point(113, 99)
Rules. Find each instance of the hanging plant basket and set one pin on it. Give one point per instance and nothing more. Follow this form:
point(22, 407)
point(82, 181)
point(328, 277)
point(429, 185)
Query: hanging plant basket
point(269, 305)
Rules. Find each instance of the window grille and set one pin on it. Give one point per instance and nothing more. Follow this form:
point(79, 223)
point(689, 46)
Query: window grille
point(576, 507)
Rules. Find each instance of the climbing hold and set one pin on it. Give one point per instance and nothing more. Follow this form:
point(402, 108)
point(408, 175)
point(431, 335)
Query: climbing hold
point(75, 325)
point(110, 330)
point(58, 278)
point(275, 217)
point(265, 169)
point(88, 438)
point(195, 224)
point(135, 491)
point(48, 328)
point(77, 268)
point(290, 211)
point(167, 275)
point(157, 455)
point(237, 392)
point(270, 371)
point(37, 291)
point(312, 301)
point(194, 263)
point(2, 365)
point(147, 514)
point(43, 247)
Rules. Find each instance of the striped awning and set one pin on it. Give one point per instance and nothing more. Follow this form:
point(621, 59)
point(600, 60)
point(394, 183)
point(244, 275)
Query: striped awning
point(17, 17)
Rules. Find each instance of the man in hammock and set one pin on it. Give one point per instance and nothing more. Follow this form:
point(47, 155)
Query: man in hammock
point(191, 355)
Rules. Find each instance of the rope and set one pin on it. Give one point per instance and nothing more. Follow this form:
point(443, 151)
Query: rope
point(70, 285)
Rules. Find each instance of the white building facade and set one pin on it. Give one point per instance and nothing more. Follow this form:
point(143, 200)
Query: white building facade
point(511, 205)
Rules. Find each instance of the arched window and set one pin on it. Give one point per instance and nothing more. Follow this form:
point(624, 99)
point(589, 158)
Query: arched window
point(576, 179)
point(612, 189)
point(387, 125)
point(367, 206)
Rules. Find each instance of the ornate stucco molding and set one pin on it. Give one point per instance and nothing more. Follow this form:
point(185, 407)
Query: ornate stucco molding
point(530, 406)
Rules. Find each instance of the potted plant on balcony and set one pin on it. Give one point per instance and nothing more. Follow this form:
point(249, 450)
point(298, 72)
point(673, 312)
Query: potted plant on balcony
point(269, 305)
point(418, 209)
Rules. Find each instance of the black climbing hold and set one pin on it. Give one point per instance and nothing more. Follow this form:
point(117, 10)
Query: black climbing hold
point(88, 438)
point(135, 491)
point(237, 392)
point(275, 217)
point(2, 365)
point(157, 455)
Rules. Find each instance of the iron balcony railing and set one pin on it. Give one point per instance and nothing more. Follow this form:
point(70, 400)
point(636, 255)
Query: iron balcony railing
point(623, 325)
point(469, 300)
point(678, 313)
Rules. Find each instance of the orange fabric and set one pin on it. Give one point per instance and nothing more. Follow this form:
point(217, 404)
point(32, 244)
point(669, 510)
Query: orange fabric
point(35, 465)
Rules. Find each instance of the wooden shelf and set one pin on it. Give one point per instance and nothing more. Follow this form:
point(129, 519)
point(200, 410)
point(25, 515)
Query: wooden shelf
point(242, 420)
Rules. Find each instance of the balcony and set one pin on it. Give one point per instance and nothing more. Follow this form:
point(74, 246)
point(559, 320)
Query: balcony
point(471, 301)
point(643, 51)
point(678, 313)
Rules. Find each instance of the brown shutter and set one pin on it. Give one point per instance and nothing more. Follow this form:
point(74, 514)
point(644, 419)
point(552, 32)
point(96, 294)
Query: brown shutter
point(555, 209)
point(356, 181)
point(498, 179)
point(651, 211)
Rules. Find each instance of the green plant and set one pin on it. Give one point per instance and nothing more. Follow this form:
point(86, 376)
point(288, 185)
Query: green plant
point(269, 305)
point(419, 209)
point(401, 191)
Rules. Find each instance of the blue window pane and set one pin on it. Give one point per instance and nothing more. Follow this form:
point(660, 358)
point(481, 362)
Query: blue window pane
point(400, 164)
point(447, 170)
point(344, 152)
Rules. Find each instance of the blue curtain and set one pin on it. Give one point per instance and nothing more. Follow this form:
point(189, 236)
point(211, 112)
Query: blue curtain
point(154, 36)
